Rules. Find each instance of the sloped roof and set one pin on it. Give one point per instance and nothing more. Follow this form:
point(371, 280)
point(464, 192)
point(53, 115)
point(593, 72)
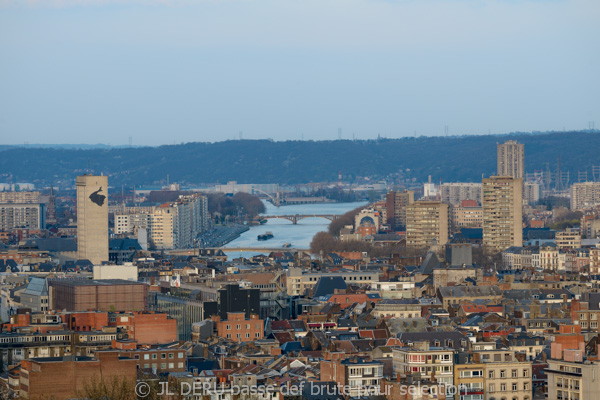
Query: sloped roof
point(327, 284)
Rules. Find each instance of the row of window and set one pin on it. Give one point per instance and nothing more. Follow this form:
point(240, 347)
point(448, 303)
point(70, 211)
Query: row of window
point(163, 366)
point(239, 335)
point(162, 355)
point(513, 373)
point(238, 327)
point(515, 387)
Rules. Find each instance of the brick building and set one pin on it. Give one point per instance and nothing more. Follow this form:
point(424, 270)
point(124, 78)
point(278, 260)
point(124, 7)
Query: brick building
point(238, 328)
point(67, 378)
point(101, 295)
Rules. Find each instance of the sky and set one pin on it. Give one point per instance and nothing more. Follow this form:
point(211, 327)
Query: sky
point(175, 71)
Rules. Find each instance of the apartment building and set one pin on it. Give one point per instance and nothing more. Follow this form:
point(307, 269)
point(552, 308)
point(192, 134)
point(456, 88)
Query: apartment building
point(568, 239)
point(511, 159)
point(455, 193)
point(502, 212)
point(298, 281)
point(238, 328)
point(395, 204)
point(420, 357)
point(469, 379)
point(360, 377)
point(507, 374)
point(585, 195)
point(170, 225)
point(467, 214)
point(427, 222)
point(22, 215)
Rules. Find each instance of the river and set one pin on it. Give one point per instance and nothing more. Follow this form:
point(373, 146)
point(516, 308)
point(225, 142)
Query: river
point(299, 235)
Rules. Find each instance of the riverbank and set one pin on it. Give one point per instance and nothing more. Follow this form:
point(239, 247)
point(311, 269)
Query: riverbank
point(220, 235)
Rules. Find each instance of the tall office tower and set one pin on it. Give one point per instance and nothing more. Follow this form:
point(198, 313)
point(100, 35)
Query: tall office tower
point(502, 212)
point(395, 204)
point(585, 195)
point(92, 218)
point(426, 222)
point(511, 159)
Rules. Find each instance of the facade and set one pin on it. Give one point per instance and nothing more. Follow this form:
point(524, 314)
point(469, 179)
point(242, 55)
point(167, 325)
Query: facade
point(298, 281)
point(568, 239)
point(426, 360)
point(502, 212)
point(507, 375)
point(455, 193)
point(585, 195)
point(511, 159)
point(101, 295)
point(35, 296)
point(22, 215)
point(126, 272)
point(168, 226)
point(184, 310)
point(367, 222)
point(92, 218)
point(67, 378)
point(531, 192)
point(360, 377)
point(427, 222)
point(395, 204)
point(467, 214)
point(238, 328)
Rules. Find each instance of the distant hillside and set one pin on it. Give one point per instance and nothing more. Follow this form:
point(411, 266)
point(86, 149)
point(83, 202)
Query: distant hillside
point(262, 161)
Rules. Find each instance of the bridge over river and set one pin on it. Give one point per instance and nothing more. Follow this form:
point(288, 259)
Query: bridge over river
point(186, 252)
point(297, 217)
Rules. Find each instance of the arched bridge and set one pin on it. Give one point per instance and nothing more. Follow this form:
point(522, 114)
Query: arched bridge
point(297, 217)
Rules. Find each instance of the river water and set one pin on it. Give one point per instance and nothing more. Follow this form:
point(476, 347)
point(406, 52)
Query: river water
point(299, 235)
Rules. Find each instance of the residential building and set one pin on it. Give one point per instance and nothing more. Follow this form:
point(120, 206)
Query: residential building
point(238, 328)
point(507, 374)
point(421, 358)
point(502, 212)
point(455, 193)
point(298, 281)
point(427, 223)
point(511, 159)
point(467, 214)
point(22, 215)
point(585, 195)
point(568, 239)
point(395, 204)
point(360, 377)
point(531, 192)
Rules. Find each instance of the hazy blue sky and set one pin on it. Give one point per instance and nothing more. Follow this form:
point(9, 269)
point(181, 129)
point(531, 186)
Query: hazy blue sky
point(94, 71)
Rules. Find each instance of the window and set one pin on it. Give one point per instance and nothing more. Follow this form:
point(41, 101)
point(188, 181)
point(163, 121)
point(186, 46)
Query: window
point(491, 374)
point(146, 356)
point(514, 387)
point(163, 366)
point(171, 355)
point(502, 373)
point(180, 355)
point(238, 327)
point(514, 373)
point(171, 365)
point(503, 387)
point(525, 373)
point(247, 335)
point(228, 327)
point(163, 355)
point(180, 365)
point(257, 334)
point(154, 356)
point(492, 388)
